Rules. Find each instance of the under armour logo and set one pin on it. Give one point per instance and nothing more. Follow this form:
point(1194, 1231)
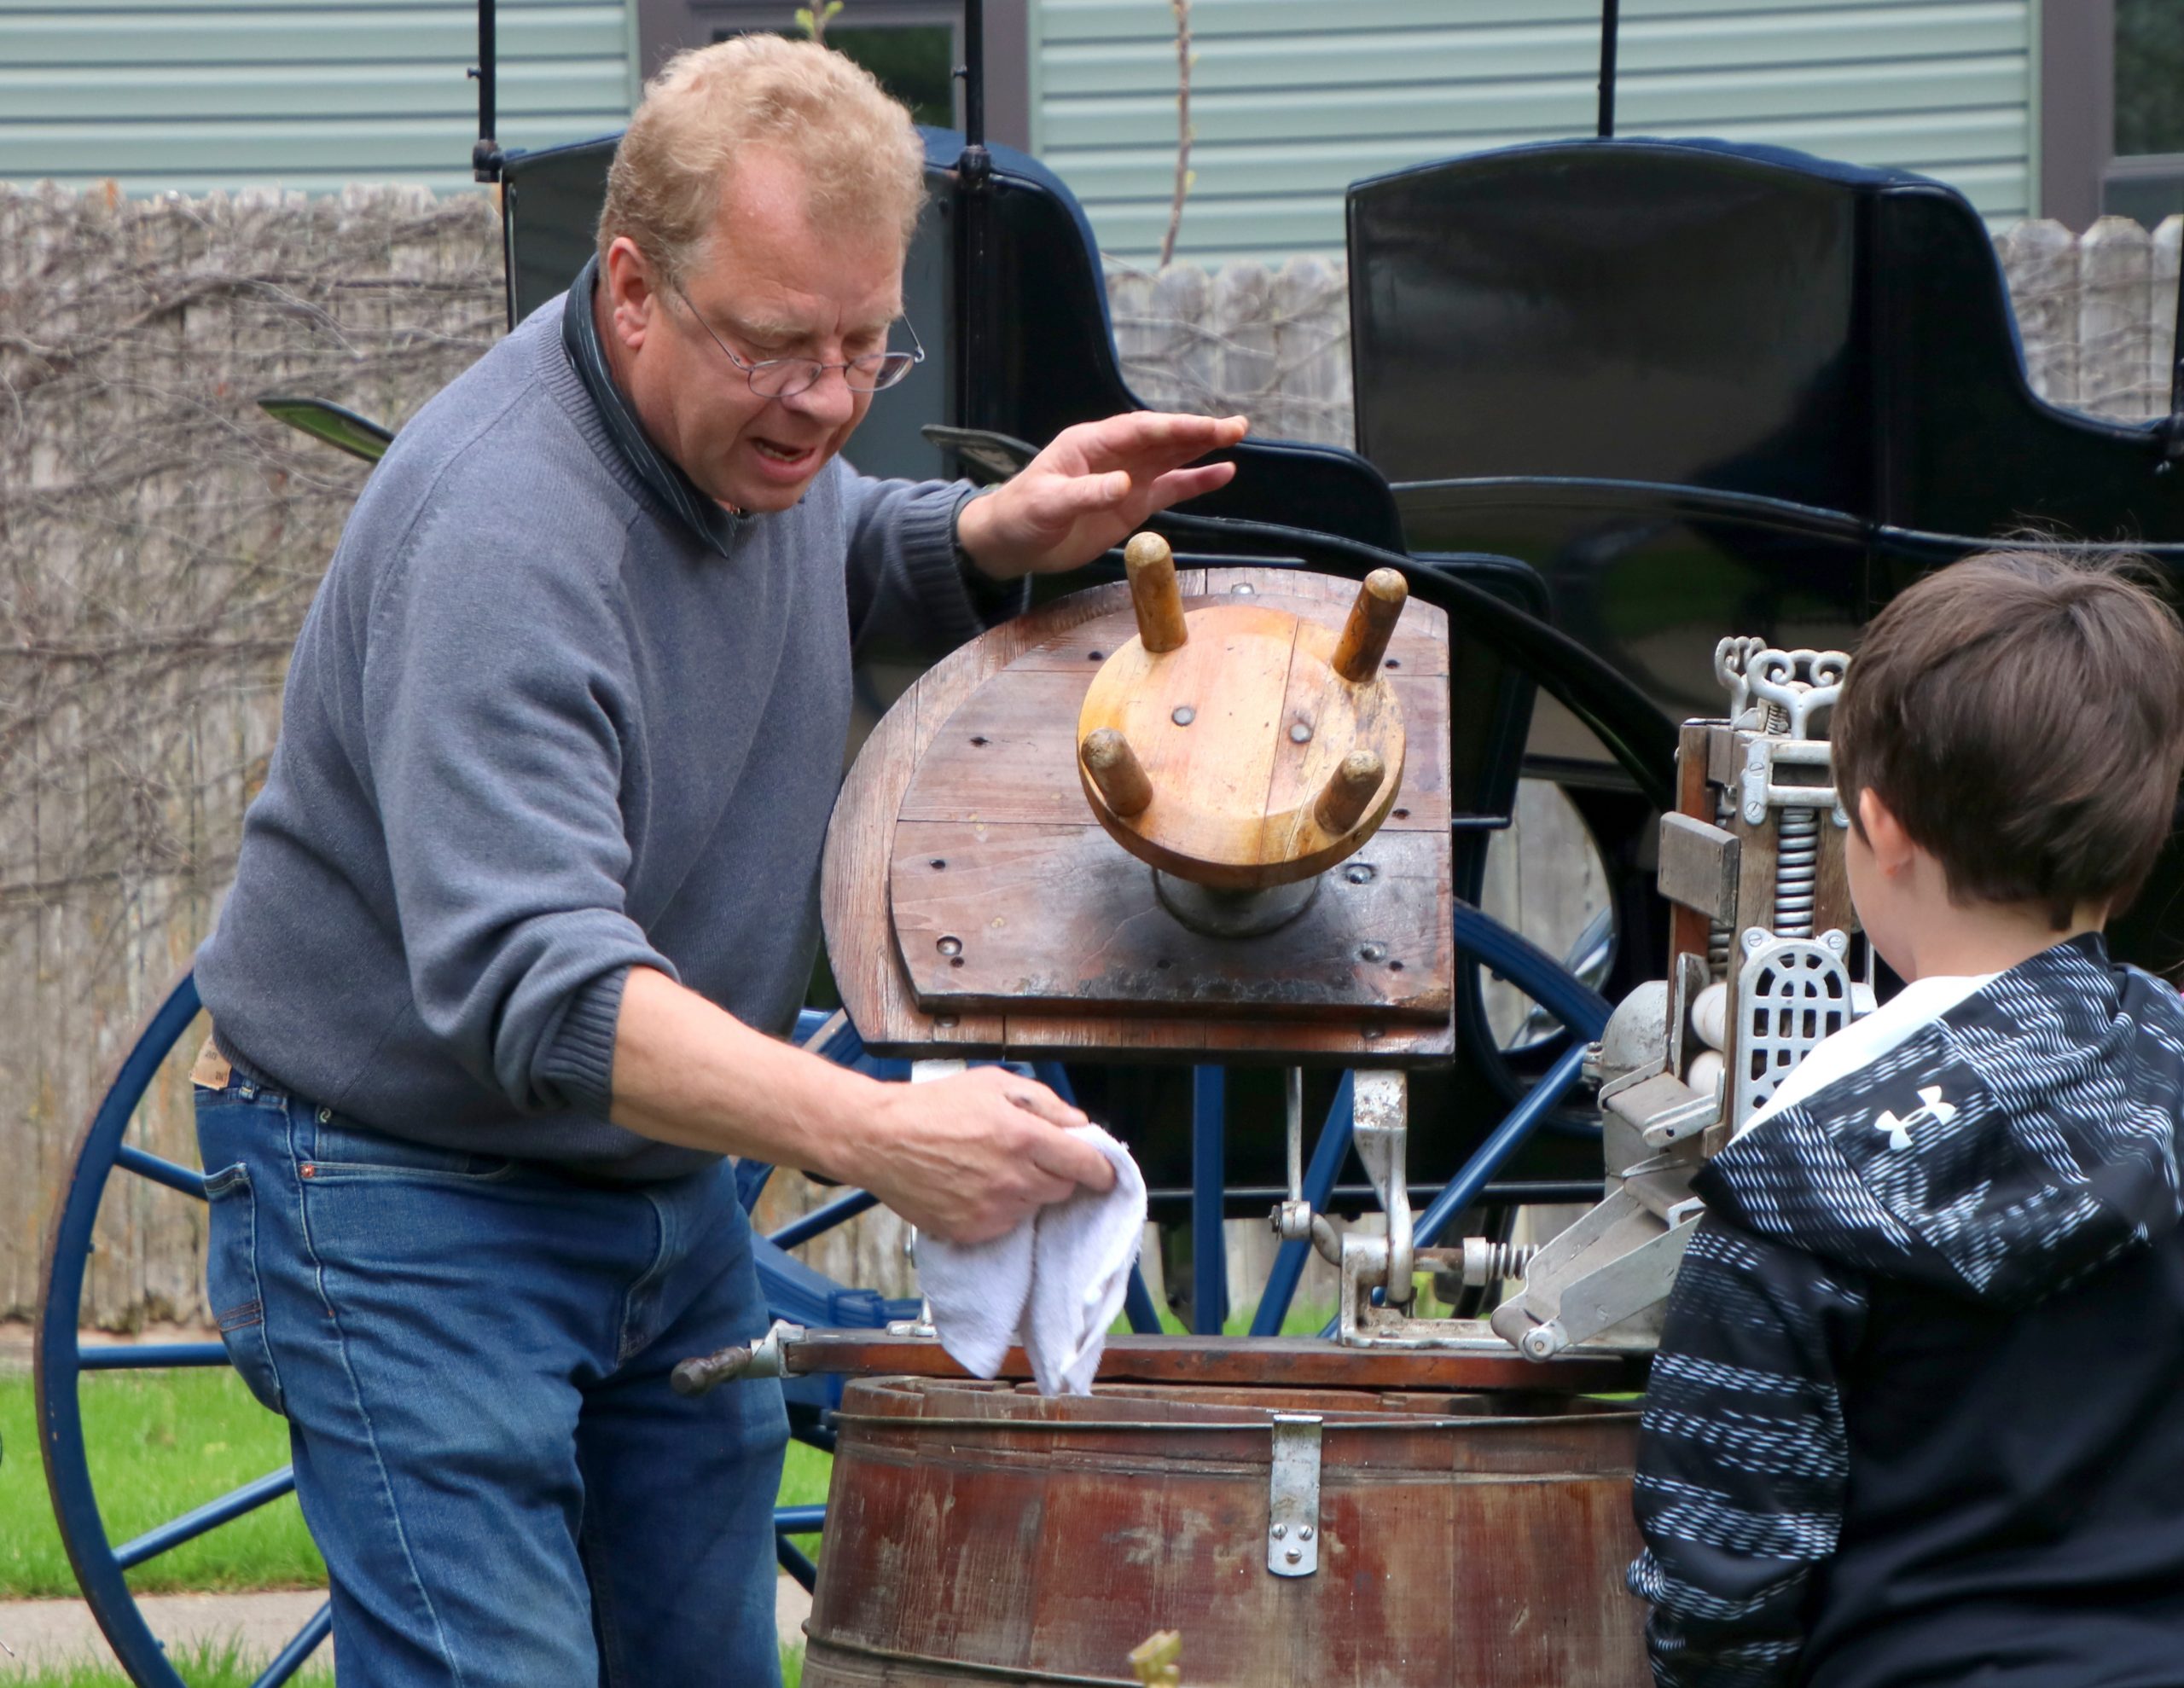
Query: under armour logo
point(1932, 1108)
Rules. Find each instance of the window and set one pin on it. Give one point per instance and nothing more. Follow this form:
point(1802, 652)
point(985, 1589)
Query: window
point(2145, 176)
point(2112, 109)
point(913, 46)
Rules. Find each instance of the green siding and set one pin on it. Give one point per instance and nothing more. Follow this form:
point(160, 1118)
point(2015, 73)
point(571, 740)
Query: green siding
point(1287, 110)
point(253, 92)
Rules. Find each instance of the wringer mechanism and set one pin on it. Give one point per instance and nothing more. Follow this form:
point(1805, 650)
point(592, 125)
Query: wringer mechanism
point(1760, 970)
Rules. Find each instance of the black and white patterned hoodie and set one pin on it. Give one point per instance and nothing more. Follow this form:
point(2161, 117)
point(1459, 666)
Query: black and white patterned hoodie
point(1917, 1414)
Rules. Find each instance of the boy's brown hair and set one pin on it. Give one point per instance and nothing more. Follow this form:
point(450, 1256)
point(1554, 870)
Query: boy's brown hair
point(2022, 714)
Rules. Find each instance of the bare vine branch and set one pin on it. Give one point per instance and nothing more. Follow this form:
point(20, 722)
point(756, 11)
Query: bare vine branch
point(1184, 176)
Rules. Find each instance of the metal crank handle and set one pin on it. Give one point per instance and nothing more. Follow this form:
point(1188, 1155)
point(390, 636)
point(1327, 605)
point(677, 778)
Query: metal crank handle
point(762, 1359)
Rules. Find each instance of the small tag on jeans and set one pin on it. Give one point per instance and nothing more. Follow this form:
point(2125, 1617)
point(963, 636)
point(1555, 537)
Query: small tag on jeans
point(212, 1070)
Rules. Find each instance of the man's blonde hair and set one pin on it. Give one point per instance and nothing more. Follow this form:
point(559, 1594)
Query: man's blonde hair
point(863, 165)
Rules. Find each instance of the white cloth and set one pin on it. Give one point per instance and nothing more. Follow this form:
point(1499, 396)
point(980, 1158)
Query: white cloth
point(1053, 1284)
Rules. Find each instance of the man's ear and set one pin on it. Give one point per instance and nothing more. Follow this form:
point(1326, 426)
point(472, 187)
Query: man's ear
point(1890, 845)
point(634, 301)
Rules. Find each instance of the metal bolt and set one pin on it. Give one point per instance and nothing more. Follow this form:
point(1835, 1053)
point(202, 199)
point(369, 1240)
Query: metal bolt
point(1359, 873)
point(950, 946)
point(1755, 813)
point(1305, 1533)
point(1300, 733)
point(1242, 589)
point(1295, 1556)
point(1280, 1530)
point(1369, 1033)
point(945, 1022)
point(1371, 952)
point(1755, 938)
point(1184, 714)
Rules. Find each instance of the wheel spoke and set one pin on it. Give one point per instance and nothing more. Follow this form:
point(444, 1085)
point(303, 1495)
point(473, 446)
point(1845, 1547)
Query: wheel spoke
point(1138, 1305)
point(210, 1515)
point(1463, 1189)
point(147, 1356)
point(1209, 1180)
point(307, 1642)
point(799, 1520)
point(791, 1559)
point(187, 1180)
point(827, 1218)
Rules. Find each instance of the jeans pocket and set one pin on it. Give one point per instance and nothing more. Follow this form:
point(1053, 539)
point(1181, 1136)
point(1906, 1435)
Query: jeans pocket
point(342, 1150)
point(231, 1282)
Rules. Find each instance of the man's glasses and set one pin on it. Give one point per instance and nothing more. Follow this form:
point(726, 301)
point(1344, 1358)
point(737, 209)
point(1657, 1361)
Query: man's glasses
point(786, 377)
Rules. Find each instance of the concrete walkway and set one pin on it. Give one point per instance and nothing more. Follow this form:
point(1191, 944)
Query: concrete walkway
point(47, 1633)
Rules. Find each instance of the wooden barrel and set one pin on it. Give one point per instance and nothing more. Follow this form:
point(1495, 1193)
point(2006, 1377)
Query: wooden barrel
point(978, 1534)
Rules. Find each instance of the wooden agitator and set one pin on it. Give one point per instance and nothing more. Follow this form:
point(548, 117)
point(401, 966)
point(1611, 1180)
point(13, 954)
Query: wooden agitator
point(1201, 815)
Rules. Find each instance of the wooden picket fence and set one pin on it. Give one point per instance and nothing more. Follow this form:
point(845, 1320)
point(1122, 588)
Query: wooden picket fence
point(160, 540)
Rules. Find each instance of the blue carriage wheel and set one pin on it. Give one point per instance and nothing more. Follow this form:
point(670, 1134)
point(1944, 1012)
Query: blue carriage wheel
point(61, 1361)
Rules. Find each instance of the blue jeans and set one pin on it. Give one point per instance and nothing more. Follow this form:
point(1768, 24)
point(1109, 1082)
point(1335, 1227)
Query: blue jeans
point(473, 1354)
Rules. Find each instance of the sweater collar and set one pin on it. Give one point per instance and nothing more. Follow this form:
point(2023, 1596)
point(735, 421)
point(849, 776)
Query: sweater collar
point(662, 477)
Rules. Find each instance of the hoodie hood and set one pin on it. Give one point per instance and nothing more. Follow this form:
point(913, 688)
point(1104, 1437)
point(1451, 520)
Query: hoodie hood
point(2020, 1139)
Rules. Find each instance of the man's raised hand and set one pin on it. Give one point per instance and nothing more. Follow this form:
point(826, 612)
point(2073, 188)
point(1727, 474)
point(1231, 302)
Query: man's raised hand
point(1092, 488)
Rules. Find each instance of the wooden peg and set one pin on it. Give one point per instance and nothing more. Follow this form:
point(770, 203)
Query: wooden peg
point(1372, 623)
point(1154, 593)
point(1348, 789)
point(1116, 770)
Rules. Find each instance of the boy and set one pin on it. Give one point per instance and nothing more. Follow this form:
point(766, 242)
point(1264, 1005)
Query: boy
point(1918, 1413)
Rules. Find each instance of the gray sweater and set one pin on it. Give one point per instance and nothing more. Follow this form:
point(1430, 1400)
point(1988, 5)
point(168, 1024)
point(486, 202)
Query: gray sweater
point(538, 730)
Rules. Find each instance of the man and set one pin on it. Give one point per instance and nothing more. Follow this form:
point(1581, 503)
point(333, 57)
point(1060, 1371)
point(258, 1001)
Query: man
point(534, 877)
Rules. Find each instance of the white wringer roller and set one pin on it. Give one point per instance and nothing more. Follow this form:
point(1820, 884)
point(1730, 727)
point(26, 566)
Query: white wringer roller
point(1760, 968)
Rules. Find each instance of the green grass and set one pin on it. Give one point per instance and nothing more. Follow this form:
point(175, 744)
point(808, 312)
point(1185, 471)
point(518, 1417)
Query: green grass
point(163, 1442)
point(201, 1667)
point(160, 1443)
point(1301, 1321)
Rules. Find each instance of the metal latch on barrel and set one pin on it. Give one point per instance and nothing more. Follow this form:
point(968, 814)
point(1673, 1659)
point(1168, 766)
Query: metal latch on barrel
point(1293, 1524)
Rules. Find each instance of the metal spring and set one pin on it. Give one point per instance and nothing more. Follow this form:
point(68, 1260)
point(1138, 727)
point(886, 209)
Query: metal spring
point(1486, 1263)
point(1797, 864)
point(1719, 937)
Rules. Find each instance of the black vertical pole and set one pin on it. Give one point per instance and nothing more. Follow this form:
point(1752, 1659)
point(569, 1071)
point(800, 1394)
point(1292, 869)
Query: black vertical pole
point(1610, 18)
point(975, 352)
point(486, 156)
point(2173, 439)
point(974, 74)
point(2176, 362)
